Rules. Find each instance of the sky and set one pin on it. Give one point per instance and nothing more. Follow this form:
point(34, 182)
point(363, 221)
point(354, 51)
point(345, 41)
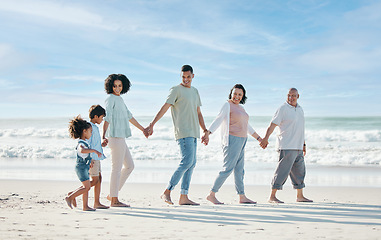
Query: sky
point(55, 55)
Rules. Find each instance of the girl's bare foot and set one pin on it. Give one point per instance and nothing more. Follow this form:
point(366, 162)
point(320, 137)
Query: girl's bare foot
point(213, 199)
point(68, 201)
point(74, 202)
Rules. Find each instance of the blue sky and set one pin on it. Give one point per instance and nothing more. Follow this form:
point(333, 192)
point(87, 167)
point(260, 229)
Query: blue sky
point(55, 55)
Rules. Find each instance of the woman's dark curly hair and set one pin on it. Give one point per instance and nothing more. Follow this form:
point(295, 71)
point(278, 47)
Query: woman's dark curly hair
point(109, 83)
point(239, 86)
point(76, 127)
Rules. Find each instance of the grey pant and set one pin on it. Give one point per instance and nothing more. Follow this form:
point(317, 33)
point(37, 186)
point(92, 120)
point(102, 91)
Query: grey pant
point(234, 157)
point(291, 162)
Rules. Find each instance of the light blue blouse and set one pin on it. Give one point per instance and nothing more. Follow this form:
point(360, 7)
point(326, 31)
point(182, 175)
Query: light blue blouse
point(118, 117)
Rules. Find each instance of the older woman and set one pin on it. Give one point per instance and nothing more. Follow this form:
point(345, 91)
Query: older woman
point(234, 122)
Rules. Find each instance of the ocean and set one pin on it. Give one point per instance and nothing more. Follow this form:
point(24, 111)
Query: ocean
point(341, 151)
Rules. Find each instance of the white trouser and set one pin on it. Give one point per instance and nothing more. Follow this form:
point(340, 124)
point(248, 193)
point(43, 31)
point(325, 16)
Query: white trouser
point(120, 157)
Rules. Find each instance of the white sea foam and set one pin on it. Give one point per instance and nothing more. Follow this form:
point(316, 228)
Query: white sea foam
point(325, 146)
point(42, 149)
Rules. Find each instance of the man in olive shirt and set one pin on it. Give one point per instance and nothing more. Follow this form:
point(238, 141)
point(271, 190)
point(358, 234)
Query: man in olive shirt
point(185, 104)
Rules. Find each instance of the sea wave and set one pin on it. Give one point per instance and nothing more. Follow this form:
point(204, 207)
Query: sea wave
point(343, 147)
point(166, 133)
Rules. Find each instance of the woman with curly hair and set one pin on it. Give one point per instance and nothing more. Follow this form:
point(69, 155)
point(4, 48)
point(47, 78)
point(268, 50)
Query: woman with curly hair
point(116, 129)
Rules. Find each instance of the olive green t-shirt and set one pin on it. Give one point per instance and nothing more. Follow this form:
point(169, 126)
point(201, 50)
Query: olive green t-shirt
point(185, 102)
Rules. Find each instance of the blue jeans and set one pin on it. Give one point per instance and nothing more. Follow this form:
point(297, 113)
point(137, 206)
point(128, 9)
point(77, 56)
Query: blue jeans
point(234, 156)
point(188, 147)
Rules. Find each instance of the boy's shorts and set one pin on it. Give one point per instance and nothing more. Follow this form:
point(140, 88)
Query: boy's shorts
point(96, 169)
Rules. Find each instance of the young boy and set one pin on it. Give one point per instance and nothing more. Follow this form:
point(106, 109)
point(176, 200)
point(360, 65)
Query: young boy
point(96, 114)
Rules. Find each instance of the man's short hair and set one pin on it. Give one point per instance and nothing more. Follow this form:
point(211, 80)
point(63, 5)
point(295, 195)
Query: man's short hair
point(187, 68)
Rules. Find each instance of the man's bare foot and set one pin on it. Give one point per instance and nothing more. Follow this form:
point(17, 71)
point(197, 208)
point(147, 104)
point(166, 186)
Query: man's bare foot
point(184, 200)
point(213, 199)
point(166, 198)
point(68, 201)
point(119, 204)
point(244, 200)
point(100, 206)
point(74, 202)
point(88, 209)
point(303, 199)
point(275, 200)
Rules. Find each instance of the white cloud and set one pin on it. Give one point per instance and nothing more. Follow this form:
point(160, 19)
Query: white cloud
point(55, 11)
point(80, 78)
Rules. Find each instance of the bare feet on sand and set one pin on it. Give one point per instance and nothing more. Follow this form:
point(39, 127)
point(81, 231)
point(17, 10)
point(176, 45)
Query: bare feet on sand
point(275, 200)
point(213, 199)
point(303, 199)
point(119, 204)
point(88, 209)
point(166, 198)
point(100, 206)
point(184, 200)
point(68, 201)
point(115, 202)
point(244, 200)
point(74, 202)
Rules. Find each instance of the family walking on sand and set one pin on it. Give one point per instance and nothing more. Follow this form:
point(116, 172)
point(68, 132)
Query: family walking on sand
point(185, 103)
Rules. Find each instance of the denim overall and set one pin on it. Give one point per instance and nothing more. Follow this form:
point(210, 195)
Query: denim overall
point(83, 164)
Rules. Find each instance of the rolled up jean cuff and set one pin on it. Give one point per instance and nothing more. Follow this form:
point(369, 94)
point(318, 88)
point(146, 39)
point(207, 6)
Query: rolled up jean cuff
point(184, 192)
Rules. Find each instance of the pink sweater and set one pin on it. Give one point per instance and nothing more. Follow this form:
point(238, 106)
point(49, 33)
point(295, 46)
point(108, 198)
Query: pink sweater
point(238, 120)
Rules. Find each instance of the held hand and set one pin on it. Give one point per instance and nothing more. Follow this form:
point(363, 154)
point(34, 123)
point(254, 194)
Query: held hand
point(264, 143)
point(146, 132)
point(91, 163)
point(205, 139)
point(150, 129)
point(105, 142)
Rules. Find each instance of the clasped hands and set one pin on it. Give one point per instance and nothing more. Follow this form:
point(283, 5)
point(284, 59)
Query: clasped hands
point(148, 131)
point(263, 143)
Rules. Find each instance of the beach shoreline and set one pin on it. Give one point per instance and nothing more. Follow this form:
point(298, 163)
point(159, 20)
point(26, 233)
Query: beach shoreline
point(158, 171)
point(36, 210)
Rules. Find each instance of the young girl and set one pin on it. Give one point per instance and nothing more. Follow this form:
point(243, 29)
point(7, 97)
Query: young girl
point(116, 128)
point(79, 128)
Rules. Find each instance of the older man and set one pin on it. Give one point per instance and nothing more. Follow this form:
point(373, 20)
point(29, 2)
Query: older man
point(291, 146)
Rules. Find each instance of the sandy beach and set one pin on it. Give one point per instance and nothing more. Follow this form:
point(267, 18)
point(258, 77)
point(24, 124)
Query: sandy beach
point(36, 210)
